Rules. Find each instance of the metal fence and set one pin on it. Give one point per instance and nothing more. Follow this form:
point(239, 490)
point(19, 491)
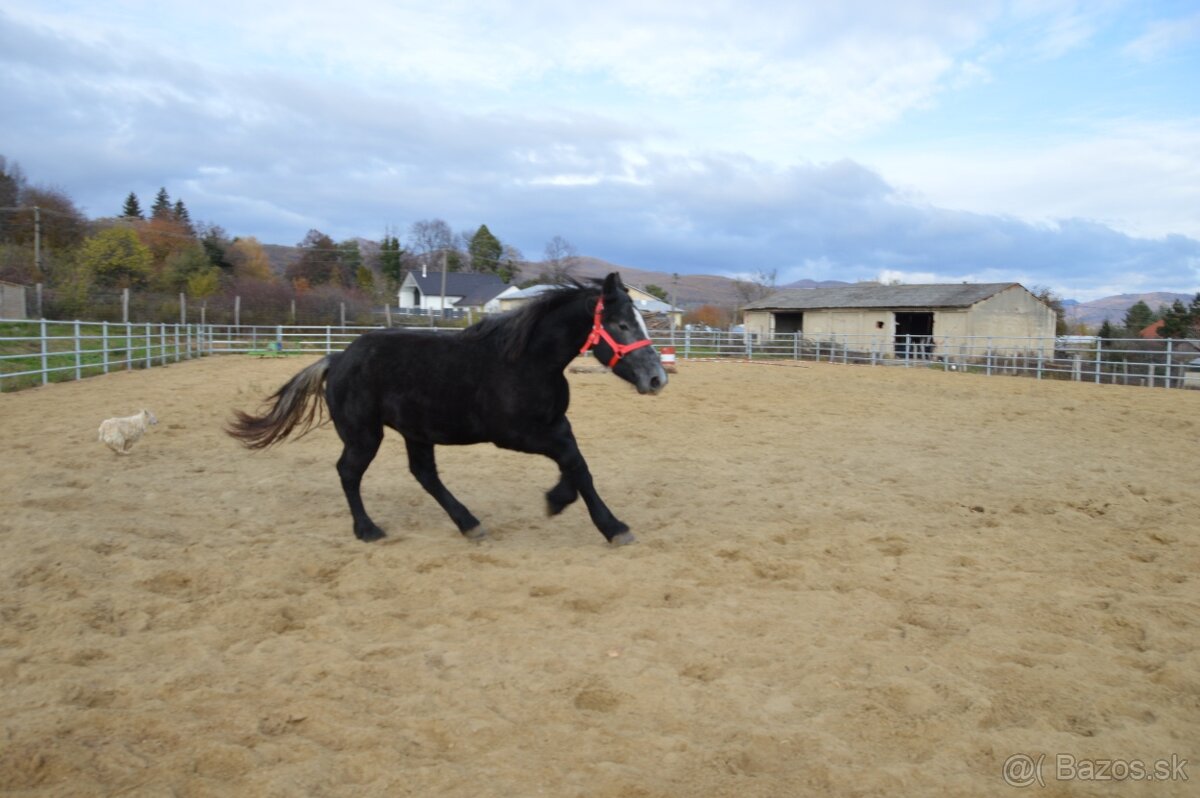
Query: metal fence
point(39, 352)
point(1166, 363)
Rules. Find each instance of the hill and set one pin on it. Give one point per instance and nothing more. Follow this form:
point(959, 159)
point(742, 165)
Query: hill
point(1094, 312)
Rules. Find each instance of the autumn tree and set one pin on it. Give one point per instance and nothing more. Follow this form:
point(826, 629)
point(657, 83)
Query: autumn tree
point(318, 263)
point(184, 264)
point(249, 260)
point(117, 258)
point(12, 181)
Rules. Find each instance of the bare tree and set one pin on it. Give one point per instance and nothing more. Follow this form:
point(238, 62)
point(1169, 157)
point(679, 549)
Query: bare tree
point(429, 236)
point(760, 285)
point(559, 260)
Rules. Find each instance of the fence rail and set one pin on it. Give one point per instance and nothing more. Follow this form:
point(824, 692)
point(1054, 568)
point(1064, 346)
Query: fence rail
point(39, 352)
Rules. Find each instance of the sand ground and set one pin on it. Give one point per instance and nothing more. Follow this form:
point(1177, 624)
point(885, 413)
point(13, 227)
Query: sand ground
point(851, 581)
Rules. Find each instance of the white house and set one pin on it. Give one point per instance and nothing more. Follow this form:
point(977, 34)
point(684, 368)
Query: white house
point(422, 290)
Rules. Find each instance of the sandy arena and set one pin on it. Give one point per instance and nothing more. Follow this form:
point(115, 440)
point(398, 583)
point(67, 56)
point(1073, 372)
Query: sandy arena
point(851, 581)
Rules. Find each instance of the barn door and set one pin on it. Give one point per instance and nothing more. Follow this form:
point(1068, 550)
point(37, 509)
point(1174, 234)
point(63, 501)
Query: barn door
point(914, 334)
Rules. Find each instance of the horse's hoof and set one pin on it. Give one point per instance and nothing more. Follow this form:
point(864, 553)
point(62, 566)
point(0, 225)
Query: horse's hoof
point(371, 535)
point(476, 534)
point(623, 539)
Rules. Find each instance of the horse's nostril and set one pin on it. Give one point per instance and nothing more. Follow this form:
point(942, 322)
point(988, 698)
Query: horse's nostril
point(655, 383)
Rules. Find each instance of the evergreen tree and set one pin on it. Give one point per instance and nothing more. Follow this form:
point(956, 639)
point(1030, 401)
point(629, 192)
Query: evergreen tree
point(1177, 321)
point(133, 208)
point(1138, 317)
point(1107, 333)
point(161, 209)
point(390, 259)
point(180, 214)
point(485, 251)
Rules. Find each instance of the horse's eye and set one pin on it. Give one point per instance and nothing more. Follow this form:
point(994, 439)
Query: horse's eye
point(623, 326)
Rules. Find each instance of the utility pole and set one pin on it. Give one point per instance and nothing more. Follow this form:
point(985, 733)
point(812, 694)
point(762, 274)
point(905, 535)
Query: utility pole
point(37, 239)
point(443, 285)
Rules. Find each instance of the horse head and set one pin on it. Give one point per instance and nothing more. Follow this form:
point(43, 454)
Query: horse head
point(619, 339)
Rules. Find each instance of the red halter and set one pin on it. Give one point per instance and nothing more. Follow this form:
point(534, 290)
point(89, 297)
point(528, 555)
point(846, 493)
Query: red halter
point(599, 334)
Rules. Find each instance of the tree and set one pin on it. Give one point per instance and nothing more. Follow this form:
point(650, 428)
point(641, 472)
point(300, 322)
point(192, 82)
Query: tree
point(1138, 317)
point(181, 265)
point(657, 291)
point(485, 251)
point(1107, 333)
point(12, 183)
point(161, 209)
point(249, 260)
point(559, 260)
point(1054, 301)
point(350, 260)
point(318, 263)
point(510, 264)
point(759, 285)
point(429, 236)
point(133, 208)
point(204, 283)
point(391, 259)
point(117, 258)
point(1181, 321)
point(180, 214)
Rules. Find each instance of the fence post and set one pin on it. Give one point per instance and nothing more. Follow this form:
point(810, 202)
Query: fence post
point(177, 355)
point(78, 353)
point(104, 345)
point(38, 293)
point(237, 314)
point(328, 340)
point(1099, 360)
point(387, 314)
point(128, 346)
point(687, 343)
point(149, 346)
point(1167, 376)
point(279, 336)
point(343, 304)
point(125, 305)
point(45, 356)
point(162, 340)
point(182, 308)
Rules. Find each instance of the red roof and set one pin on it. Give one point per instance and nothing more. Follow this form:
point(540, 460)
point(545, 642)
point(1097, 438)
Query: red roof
point(1151, 332)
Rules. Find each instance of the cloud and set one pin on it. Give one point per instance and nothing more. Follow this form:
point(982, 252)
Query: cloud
point(1162, 37)
point(689, 150)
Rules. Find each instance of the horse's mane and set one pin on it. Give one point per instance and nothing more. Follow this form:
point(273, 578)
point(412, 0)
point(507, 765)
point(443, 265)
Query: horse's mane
point(514, 329)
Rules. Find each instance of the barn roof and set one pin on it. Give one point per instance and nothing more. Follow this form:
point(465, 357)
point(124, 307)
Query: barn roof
point(872, 295)
point(474, 288)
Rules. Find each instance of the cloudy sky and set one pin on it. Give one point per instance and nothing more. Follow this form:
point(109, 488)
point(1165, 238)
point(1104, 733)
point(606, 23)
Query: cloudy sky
point(1053, 143)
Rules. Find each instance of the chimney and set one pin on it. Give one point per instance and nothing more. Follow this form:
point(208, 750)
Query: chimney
point(424, 271)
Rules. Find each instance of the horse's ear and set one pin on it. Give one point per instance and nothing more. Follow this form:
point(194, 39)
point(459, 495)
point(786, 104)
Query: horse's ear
point(612, 285)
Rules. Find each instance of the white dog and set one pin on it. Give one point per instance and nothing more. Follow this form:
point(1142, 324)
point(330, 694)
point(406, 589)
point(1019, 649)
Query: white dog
point(122, 433)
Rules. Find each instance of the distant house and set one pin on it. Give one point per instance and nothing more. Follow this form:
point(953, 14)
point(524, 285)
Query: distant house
point(897, 317)
point(12, 300)
point(422, 290)
point(649, 305)
point(1150, 332)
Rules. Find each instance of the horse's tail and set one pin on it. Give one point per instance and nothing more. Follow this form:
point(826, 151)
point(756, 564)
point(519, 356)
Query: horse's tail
point(297, 404)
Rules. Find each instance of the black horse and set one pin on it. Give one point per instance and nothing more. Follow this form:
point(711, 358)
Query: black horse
point(498, 381)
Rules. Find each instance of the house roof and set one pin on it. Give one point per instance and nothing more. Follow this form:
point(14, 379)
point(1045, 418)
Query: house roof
point(475, 289)
point(871, 295)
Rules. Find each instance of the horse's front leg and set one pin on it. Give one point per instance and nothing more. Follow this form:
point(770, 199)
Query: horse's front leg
point(562, 447)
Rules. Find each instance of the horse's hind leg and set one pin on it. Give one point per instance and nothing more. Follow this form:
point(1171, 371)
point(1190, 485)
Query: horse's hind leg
point(424, 467)
point(360, 447)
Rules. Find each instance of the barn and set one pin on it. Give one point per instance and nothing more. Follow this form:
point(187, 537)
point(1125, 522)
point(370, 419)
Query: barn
point(908, 319)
